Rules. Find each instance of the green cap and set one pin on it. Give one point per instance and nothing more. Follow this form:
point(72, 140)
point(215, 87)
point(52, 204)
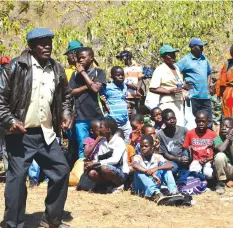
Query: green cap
point(167, 49)
point(73, 45)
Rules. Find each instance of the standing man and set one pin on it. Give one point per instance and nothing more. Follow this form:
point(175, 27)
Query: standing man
point(196, 70)
point(73, 46)
point(35, 103)
point(86, 84)
point(133, 77)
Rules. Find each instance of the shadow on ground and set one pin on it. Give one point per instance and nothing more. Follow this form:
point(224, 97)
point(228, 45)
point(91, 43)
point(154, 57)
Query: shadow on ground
point(32, 220)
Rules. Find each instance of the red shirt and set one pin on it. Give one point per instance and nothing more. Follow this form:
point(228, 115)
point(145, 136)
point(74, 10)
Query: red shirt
point(201, 146)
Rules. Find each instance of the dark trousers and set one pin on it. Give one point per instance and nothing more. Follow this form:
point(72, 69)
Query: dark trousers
point(202, 104)
point(22, 149)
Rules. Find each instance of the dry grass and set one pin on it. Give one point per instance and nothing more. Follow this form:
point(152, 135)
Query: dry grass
point(124, 210)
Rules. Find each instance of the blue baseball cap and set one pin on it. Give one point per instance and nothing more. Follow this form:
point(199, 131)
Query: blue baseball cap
point(196, 42)
point(73, 45)
point(167, 49)
point(38, 33)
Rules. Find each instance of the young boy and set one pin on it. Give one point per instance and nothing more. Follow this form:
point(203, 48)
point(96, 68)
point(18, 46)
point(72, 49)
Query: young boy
point(156, 117)
point(171, 142)
point(148, 130)
point(223, 161)
point(130, 108)
point(91, 144)
point(151, 170)
point(110, 165)
point(115, 94)
point(199, 142)
point(137, 122)
point(86, 83)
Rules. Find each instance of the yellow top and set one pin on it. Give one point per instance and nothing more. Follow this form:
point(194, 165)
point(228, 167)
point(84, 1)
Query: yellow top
point(69, 71)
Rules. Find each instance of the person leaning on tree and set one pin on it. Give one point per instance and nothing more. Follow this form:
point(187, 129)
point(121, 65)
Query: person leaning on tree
point(35, 103)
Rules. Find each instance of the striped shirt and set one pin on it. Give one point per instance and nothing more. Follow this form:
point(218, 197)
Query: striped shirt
point(196, 71)
point(116, 100)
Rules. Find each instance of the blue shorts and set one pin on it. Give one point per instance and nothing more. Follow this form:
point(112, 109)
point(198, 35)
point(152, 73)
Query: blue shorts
point(123, 176)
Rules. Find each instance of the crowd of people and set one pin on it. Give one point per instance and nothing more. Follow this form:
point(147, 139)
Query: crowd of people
point(156, 139)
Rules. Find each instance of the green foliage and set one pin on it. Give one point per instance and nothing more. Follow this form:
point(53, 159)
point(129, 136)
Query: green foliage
point(140, 26)
point(143, 27)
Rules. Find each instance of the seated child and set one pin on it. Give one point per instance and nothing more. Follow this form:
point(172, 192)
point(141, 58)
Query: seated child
point(115, 94)
point(109, 167)
point(91, 144)
point(148, 130)
point(151, 170)
point(137, 122)
point(91, 147)
point(130, 154)
point(156, 117)
point(171, 142)
point(223, 161)
point(199, 142)
point(129, 148)
point(130, 108)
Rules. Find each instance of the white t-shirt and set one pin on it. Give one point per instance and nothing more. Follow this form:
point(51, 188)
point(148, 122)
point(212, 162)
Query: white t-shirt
point(117, 146)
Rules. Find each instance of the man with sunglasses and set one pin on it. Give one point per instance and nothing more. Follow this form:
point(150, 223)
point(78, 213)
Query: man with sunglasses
point(196, 70)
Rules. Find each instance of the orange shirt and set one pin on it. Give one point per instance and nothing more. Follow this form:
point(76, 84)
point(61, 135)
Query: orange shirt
point(130, 152)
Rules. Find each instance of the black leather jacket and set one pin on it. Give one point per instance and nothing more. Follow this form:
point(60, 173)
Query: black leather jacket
point(16, 88)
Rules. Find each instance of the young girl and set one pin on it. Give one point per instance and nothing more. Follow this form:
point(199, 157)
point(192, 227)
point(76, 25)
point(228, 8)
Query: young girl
point(137, 122)
point(151, 170)
point(91, 143)
point(156, 117)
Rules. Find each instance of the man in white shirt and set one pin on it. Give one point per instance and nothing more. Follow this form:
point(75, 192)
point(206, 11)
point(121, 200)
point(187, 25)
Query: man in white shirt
point(33, 107)
point(110, 163)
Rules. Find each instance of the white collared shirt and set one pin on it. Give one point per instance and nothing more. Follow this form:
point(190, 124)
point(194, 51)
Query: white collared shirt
point(155, 161)
point(39, 112)
point(117, 146)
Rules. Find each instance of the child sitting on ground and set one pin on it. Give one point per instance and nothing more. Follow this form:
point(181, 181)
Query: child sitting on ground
point(109, 167)
point(148, 129)
point(91, 144)
point(129, 148)
point(171, 142)
point(130, 108)
point(156, 117)
point(223, 161)
point(130, 154)
point(199, 142)
point(151, 170)
point(137, 122)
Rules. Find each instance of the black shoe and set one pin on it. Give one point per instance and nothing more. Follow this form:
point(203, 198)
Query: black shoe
point(44, 223)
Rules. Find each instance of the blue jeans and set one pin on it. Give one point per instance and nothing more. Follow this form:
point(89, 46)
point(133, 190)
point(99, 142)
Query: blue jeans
point(177, 166)
point(34, 171)
point(146, 185)
point(82, 130)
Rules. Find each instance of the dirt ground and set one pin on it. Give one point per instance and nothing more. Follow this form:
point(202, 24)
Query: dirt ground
point(84, 210)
